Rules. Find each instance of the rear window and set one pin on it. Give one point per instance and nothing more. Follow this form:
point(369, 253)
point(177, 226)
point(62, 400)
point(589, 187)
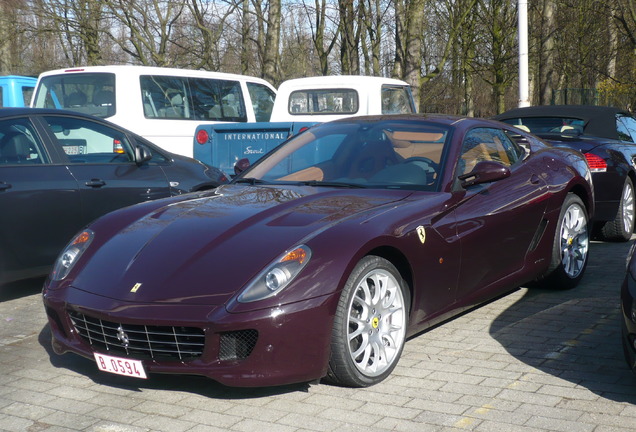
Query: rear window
point(548, 125)
point(88, 93)
point(323, 101)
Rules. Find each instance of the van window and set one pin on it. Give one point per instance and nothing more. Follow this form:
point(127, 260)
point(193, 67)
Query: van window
point(88, 93)
point(262, 101)
point(183, 98)
point(323, 101)
point(396, 100)
point(27, 94)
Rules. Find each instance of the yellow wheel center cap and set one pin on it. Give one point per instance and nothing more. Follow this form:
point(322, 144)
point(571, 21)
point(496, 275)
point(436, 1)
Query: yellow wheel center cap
point(375, 323)
point(570, 241)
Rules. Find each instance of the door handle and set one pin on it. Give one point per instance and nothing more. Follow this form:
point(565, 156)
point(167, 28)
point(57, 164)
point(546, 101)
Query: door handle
point(5, 186)
point(95, 183)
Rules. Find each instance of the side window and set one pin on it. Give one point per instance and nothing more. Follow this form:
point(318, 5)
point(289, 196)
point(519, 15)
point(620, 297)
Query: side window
point(216, 99)
point(164, 97)
point(262, 101)
point(626, 128)
point(397, 100)
point(19, 144)
point(84, 141)
point(483, 144)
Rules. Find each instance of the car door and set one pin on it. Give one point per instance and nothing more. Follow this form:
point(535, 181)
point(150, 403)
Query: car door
point(39, 201)
point(102, 160)
point(497, 221)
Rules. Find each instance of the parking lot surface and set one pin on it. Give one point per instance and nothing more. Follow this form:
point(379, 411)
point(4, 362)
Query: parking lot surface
point(533, 360)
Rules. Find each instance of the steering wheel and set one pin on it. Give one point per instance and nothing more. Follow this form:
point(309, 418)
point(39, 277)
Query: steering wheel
point(430, 165)
point(425, 164)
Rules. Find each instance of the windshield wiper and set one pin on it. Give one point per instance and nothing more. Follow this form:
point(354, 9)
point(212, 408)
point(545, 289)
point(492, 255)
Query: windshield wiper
point(250, 180)
point(330, 184)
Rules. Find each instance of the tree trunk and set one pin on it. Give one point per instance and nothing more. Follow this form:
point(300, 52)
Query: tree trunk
point(547, 53)
point(272, 42)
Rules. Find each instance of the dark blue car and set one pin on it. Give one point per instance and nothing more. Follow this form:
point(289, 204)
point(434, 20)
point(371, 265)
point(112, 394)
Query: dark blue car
point(606, 136)
point(60, 170)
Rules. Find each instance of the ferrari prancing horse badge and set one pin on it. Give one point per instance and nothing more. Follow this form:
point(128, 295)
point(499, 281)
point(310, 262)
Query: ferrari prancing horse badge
point(421, 233)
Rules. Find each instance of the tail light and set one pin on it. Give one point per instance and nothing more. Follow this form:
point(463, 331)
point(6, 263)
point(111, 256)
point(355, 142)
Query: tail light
point(596, 163)
point(118, 147)
point(202, 136)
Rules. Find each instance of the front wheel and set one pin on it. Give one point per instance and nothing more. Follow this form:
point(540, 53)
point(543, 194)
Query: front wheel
point(370, 324)
point(570, 246)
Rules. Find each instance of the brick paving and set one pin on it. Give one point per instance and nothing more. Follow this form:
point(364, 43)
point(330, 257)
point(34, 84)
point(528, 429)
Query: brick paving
point(533, 360)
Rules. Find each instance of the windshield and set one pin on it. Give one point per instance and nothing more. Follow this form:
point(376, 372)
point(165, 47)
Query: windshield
point(381, 154)
point(548, 125)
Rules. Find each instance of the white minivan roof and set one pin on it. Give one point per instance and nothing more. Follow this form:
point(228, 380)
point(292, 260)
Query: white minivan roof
point(156, 70)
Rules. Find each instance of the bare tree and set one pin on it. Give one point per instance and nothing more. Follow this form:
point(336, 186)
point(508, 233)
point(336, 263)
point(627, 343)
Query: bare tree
point(147, 27)
point(350, 18)
point(323, 35)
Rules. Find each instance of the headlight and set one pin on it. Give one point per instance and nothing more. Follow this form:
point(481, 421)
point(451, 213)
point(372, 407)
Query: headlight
point(71, 254)
point(277, 275)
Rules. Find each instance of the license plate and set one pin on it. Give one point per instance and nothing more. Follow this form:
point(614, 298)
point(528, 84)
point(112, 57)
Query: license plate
point(120, 366)
point(74, 150)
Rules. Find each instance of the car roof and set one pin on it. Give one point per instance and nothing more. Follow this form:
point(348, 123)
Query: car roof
point(26, 111)
point(11, 111)
point(599, 120)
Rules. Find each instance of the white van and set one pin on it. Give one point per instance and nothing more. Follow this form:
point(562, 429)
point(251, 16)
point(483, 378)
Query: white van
point(163, 105)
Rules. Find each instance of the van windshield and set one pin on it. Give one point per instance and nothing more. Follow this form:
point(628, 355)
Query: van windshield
point(89, 93)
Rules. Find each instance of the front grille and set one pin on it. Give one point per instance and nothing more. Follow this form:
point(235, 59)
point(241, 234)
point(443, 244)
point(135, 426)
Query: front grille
point(237, 345)
point(140, 341)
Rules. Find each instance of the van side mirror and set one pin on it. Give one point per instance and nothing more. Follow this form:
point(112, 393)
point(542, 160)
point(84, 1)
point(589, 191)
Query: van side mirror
point(484, 172)
point(241, 165)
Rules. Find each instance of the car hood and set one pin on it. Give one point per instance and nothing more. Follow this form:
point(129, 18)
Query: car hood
point(202, 250)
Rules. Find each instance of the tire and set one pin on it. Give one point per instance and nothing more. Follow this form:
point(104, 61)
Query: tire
point(622, 227)
point(369, 328)
point(570, 247)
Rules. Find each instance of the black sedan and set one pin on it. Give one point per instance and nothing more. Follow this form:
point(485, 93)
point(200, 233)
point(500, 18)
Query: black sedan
point(60, 170)
point(606, 136)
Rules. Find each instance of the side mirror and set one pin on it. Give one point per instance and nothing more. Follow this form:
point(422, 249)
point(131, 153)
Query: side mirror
point(241, 165)
point(484, 172)
point(142, 154)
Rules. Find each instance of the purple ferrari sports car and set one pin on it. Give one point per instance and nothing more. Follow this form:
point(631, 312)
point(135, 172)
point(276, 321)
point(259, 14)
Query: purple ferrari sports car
point(321, 259)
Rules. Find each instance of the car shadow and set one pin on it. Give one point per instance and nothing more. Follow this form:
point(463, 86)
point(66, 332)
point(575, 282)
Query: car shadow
point(185, 383)
point(23, 288)
point(574, 335)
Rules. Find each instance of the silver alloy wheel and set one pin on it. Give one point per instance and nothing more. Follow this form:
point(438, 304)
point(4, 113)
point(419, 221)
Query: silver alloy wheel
point(574, 240)
point(376, 323)
point(628, 208)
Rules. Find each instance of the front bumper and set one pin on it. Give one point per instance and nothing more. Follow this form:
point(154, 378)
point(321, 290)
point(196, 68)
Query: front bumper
point(287, 344)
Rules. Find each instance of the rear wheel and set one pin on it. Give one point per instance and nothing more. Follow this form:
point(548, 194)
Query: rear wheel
point(622, 227)
point(570, 246)
point(370, 324)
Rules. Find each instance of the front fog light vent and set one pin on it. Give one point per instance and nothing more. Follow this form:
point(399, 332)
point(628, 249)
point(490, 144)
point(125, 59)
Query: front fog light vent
point(237, 345)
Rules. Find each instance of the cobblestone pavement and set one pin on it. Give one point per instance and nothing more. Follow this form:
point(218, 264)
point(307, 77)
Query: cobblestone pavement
point(531, 361)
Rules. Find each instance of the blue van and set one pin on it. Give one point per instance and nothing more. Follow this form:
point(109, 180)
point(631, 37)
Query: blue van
point(16, 91)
